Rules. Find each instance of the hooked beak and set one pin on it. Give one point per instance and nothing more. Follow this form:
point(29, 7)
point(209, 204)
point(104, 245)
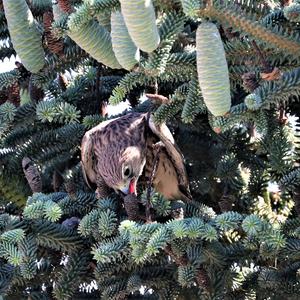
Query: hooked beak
point(130, 188)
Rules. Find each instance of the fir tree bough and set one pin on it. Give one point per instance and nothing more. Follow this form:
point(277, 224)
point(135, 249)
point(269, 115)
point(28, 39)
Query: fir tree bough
point(239, 237)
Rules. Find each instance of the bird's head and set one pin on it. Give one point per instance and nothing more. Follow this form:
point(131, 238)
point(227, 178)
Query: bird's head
point(122, 166)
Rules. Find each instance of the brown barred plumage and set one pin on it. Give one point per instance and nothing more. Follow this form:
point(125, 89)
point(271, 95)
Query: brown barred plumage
point(112, 146)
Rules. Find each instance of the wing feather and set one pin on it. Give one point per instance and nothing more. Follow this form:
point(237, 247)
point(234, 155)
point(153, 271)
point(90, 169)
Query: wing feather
point(175, 155)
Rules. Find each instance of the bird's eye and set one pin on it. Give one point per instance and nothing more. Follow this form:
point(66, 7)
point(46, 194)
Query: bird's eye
point(127, 172)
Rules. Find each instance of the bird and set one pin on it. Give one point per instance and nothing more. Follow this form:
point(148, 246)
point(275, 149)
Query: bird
point(120, 153)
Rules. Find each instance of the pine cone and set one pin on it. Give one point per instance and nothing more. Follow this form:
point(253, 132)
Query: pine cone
point(70, 187)
point(54, 44)
point(250, 82)
point(203, 279)
point(132, 207)
point(65, 6)
point(179, 260)
point(36, 93)
point(32, 175)
point(226, 203)
point(13, 94)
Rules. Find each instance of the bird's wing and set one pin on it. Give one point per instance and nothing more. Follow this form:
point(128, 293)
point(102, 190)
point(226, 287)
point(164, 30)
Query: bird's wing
point(87, 153)
point(175, 155)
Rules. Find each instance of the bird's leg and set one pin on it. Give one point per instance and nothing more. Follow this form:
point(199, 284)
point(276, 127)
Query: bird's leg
point(156, 150)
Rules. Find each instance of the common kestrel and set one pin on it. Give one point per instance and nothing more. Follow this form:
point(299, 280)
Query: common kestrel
point(118, 152)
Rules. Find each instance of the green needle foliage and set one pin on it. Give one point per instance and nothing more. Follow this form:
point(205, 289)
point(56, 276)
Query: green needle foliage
point(239, 237)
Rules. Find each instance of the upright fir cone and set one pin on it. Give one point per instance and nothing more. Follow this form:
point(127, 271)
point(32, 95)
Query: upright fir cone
point(70, 187)
point(250, 81)
point(65, 6)
point(226, 203)
point(132, 207)
point(1, 5)
point(296, 198)
point(13, 94)
point(36, 94)
point(54, 44)
point(32, 175)
point(179, 260)
point(203, 279)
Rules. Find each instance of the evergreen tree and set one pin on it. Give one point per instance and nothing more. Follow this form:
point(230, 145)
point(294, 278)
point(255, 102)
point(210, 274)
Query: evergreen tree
point(240, 236)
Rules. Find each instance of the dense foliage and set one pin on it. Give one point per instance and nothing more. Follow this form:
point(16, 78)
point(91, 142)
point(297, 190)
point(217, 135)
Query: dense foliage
point(239, 238)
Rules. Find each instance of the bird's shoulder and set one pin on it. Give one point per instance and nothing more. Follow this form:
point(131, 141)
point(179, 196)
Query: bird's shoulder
point(117, 129)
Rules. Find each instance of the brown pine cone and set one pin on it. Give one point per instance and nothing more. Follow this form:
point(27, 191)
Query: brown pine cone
point(203, 279)
point(132, 207)
point(65, 6)
point(226, 203)
point(179, 260)
point(54, 44)
point(36, 94)
point(32, 175)
point(13, 94)
point(70, 187)
point(250, 82)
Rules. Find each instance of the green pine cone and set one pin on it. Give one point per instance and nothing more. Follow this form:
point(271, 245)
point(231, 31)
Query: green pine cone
point(24, 34)
point(212, 69)
point(139, 17)
point(127, 53)
point(104, 19)
point(96, 41)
